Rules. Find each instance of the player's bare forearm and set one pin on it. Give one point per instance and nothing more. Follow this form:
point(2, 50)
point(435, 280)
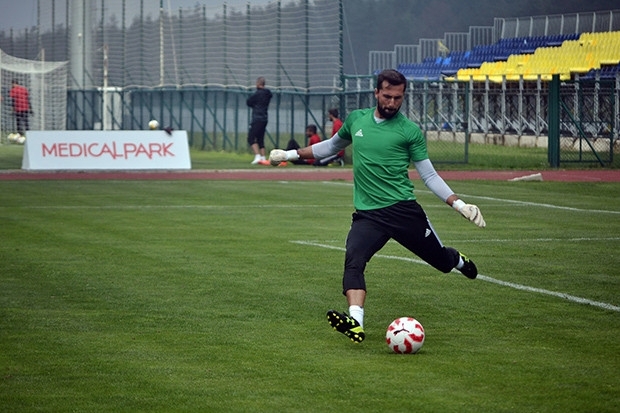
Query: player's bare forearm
point(451, 199)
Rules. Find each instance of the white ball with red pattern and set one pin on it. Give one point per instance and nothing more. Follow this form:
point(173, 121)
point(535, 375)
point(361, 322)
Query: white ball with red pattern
point(405, 335)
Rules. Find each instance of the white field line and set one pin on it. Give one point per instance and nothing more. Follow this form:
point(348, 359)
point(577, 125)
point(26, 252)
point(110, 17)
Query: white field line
point(578, 239)
point(535, 204)
point(540, 205)
point(509, 201)
point(568, 297)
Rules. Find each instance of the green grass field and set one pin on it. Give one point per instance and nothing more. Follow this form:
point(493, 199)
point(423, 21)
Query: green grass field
point(199, 296)
point(481, 157)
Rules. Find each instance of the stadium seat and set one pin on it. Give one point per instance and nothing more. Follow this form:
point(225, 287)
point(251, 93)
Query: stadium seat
point(530, 57)
point(574, 55)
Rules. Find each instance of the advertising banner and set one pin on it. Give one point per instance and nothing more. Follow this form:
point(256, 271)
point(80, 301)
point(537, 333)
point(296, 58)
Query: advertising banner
point(105, 150)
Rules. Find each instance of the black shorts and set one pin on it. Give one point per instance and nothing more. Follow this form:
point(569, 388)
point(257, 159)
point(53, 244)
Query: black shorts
point(257, 133)
point(404, 222)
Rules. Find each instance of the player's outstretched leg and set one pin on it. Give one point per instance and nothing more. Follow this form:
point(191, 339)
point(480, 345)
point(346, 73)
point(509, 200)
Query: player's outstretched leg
point(468, 269)
point(346, 325)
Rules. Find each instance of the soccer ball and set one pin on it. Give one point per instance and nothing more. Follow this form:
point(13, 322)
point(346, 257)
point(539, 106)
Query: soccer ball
point(153, 125)
point(16, 138)
point(405, 335)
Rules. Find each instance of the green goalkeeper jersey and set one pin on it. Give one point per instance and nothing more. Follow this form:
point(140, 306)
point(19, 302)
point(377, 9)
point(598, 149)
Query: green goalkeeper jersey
point(382, 153)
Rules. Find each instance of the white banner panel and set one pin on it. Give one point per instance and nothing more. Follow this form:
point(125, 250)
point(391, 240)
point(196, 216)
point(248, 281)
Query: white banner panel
point(104, 150)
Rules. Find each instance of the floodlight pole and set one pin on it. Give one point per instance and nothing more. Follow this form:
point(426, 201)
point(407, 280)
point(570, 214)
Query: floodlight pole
point(105, 115)
point(161, 42)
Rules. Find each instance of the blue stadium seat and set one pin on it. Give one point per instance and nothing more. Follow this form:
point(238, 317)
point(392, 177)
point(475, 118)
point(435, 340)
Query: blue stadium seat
point(605, 72)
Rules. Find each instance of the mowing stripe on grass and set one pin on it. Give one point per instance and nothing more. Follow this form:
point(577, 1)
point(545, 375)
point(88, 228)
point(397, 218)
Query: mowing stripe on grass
point(568, 297)
point(509, 201)
point(163, 207)
point(580, 239)
point(537, 204)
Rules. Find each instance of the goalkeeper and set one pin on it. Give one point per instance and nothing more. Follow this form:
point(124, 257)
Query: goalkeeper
point(385, 142)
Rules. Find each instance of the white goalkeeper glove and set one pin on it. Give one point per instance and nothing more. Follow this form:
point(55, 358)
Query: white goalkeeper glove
point(471, 212)
point(277, 156)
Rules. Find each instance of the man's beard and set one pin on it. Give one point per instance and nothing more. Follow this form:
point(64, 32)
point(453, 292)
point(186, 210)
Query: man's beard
point(387, 113)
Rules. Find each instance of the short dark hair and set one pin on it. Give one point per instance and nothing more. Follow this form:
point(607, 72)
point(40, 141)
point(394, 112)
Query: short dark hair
point(333, 112)
point(393, 77)
point(311, 128)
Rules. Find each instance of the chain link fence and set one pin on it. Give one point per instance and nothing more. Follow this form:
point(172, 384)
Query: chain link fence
point(193, 69)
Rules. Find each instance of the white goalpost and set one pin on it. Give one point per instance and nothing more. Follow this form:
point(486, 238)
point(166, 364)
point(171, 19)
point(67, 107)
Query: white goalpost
point(46, 83)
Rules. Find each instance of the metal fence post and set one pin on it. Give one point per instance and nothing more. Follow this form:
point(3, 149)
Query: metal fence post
point(553, 153)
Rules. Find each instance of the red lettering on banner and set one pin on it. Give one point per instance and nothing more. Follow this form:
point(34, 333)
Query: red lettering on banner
point(154, 148)
point(107, 150)
point(96, 150)
point(48, 151)
point(142, 149)
point(129, 148)
point(76, 150)
point(63, 148)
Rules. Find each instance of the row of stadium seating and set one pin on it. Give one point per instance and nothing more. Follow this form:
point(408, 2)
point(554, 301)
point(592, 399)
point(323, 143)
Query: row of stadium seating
point(589, 54)
point(605, 72)
point(434, 68)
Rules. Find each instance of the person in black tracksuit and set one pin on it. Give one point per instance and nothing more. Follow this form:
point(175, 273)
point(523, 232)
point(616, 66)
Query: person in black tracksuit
point(259, 102)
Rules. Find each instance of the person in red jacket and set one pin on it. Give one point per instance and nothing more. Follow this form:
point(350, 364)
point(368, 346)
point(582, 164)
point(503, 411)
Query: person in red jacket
point(336, 125)
point(312, 137)
point(21, 106)
point(335, 119)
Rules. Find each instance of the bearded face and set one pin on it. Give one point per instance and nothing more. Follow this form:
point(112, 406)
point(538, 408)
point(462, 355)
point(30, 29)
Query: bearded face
point(389, 99)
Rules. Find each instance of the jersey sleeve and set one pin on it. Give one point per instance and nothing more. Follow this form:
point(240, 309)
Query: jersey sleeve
point(432, 180)
point(417, 149)
point(345, 130)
